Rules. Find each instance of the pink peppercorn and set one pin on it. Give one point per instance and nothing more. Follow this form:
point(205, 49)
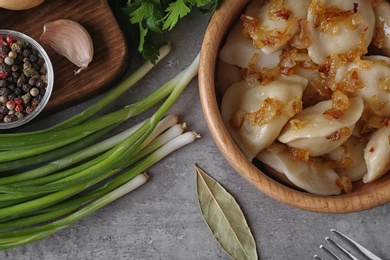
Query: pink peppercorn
point(10, 39)
point(19, 108)
point(3, 75)
point(18, 101)
point(35, 102)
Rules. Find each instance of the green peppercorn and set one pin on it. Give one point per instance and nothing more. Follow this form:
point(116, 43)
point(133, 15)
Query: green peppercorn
point(16, 47)
point(23, 43)
point(30, 72)
point(26, 98)
point(26, 64)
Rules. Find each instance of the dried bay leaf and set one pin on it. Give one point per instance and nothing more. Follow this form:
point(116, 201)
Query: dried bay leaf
point(225, 218)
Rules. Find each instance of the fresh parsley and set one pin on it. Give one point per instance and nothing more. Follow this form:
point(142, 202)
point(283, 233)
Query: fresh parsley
point(158, 16)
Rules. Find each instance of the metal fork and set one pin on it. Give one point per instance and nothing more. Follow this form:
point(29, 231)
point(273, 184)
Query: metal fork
point(359, 250)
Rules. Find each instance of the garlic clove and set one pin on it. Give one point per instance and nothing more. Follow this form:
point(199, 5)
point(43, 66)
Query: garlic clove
point(71, 40)
point(19, 4)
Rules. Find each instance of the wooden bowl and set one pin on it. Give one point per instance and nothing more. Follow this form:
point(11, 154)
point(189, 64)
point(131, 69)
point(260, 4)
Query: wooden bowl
point(363, 197)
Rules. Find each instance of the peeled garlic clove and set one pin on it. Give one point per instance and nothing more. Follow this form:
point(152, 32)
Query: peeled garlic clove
point(71, 40)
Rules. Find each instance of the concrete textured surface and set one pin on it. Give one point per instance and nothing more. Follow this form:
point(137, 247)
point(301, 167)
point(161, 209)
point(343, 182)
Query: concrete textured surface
point(162, 221)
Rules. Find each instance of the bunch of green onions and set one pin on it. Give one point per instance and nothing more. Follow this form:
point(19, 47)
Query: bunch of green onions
point(53, 177)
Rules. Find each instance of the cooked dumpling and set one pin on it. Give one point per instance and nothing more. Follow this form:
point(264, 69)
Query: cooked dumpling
point(377, 154)
point(350, 158)
point(374, 78)
point(317, 180)
point(318, 135)
point(339, 27)
point(380, 58)
point(382, 27)
point(239, 50)
point(272, 25)
point(254, 116)
point(376, 91)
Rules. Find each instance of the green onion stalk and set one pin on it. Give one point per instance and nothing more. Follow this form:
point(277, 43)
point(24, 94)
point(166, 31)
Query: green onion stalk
point(41, 201)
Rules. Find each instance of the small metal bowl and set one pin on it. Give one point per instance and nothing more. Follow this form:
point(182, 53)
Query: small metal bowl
point(49, 79)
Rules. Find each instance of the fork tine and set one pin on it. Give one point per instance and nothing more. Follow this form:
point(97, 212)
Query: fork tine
point(363, 252)
point(329, 252)
point(341, 249)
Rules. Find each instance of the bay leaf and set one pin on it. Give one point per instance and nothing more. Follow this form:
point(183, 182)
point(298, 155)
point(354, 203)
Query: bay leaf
point(224, 217)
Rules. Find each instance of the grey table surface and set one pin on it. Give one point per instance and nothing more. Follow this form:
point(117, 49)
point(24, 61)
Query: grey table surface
point(162, 219)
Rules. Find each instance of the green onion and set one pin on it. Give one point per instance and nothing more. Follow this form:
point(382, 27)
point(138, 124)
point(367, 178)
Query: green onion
point(45, 199)
point(56, 153)
point(68, 206)
point(74, 158)
point(15, 240)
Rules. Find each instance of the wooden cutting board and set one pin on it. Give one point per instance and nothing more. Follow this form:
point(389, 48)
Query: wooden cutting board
point(110, 51)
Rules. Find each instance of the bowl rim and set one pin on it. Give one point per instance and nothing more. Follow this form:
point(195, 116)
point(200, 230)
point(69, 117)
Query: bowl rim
point(373, 195)
point(50, 79)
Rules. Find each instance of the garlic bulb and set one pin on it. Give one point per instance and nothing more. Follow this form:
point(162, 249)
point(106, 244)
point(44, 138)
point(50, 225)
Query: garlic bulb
point(19, 4)
point(71, 40)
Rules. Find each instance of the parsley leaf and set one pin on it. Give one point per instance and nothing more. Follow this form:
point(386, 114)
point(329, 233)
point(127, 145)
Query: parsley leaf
point(176, 10)
point(158, 16)
point(144, 11)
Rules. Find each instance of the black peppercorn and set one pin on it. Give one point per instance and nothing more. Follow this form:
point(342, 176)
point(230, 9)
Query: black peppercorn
point(41, 61)
point(42, 92)
point(35, 66)
point(32, 81)
point(26, 88)
point(40, 83)
point(21, 81)
point(26, 52)
point(5, 48)
point(3, 83)
point(15, 75)
point(33, 58)
point(4, 91)
point(4, 110)
point(11, 96)
point(17, 91)
point(14, 68)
